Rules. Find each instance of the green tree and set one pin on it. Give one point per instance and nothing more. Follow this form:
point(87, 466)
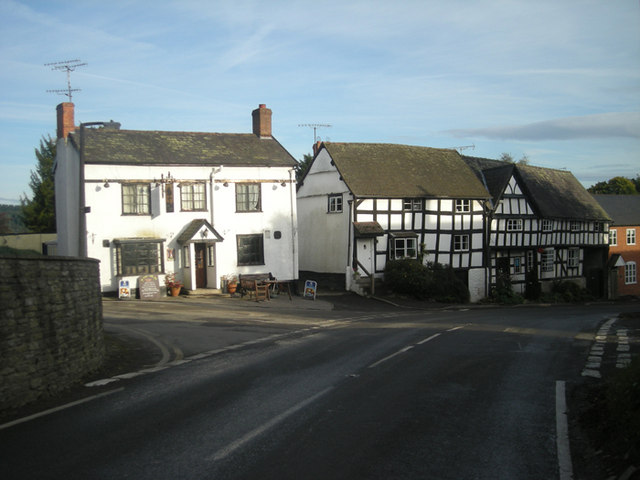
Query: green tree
point(507, 157)
point(302, 166)
point(614, 186)
point(39, 212)
point(4, 223)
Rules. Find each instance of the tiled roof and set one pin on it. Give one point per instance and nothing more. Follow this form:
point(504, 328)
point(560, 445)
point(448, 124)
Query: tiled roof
point(558, 194)
point(367, 229)
point(133, 147)
point(388, 170)
point(623, 209)
point(193, 227)
point(552, 193)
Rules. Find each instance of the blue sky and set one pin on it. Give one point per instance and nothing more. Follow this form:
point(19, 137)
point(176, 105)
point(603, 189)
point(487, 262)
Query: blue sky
point(557, 81)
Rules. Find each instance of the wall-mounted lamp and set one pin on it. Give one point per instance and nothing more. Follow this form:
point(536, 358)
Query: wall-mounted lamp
point(283, 184)
point(225, 184)
point(106, 184)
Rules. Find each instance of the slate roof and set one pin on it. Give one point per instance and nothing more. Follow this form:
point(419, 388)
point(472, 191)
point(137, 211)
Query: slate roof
point(137, 147)
point(623, 209)
point(403, 171)
point(552, 193)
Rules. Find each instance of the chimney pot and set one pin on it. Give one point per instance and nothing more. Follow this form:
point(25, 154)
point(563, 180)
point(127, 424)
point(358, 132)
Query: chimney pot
point(262, 121)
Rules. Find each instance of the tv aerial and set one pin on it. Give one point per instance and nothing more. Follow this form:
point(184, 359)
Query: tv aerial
point(315, 126)
point(66, 66)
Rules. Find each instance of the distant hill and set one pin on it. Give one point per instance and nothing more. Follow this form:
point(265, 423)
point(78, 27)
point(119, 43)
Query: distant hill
point(15, 224)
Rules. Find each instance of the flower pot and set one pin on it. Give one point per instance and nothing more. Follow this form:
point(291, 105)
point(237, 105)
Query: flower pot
point(175, 291)
point(231, 287)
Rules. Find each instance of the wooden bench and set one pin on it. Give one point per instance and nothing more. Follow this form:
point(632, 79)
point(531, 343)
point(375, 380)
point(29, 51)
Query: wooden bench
point(255, 284)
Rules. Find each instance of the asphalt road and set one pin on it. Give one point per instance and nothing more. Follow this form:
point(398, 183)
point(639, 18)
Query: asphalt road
point(285, 393)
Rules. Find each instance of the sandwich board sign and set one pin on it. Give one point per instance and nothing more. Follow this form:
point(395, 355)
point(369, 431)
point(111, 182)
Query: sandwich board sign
point(310, 289)
point(124, 292)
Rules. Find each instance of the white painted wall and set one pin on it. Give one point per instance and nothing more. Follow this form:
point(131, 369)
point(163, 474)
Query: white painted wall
point(105, 221)
point(323, 236)
point(67, 186)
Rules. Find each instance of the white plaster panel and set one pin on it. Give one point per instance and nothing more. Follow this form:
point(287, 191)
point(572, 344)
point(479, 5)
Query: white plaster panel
point(382, 204)
point(445, 242)
point(432, 222)
point(396, 221)
point(446, 222)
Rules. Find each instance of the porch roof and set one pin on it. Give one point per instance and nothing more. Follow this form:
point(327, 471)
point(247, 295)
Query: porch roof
point(199, 230)
point(367, 229)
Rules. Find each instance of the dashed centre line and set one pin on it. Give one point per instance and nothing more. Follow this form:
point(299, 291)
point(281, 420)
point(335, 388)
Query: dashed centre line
point(409, 347)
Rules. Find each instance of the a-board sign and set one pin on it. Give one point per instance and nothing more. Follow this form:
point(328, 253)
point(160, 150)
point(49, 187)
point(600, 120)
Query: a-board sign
point(124, 292)
point(310, 289)
point(149, 287)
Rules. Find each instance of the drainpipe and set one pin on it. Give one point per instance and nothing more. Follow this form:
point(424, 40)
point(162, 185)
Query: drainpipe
point(294, 273)
point(214, 170)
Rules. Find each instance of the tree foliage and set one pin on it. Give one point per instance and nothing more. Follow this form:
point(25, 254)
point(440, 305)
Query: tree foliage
point(507, 157)
point(302, 166)
point(617, 186)
point(39, 213)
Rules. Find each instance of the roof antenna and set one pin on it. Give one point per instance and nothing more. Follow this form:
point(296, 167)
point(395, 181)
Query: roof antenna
point(314, 126)
point(463, 147)
point(68, 66)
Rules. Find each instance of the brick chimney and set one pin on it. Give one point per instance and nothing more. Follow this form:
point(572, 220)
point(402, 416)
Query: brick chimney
point(65, 119)
point(262, 121)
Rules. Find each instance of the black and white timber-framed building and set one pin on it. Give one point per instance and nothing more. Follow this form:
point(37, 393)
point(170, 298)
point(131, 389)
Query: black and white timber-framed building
point(361, 204)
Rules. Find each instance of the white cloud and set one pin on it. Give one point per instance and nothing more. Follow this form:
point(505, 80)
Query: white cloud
point(604, 125)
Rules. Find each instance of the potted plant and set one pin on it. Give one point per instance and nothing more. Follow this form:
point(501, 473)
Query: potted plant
point(232, 284)
point(173, 285)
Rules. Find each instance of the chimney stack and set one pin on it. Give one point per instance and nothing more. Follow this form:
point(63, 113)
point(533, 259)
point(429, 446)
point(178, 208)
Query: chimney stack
point(65, 119)
point(262, 121)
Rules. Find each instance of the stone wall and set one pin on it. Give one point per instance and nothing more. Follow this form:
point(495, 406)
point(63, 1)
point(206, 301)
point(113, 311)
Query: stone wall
point(51, 331)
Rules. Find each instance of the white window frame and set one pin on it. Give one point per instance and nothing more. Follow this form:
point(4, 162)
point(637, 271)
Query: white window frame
point(547, 260)
point(630, 273)
point(514, 224)
point(405, 247)
point(613, 237)
point(573, 258)
point(575, 226)
point(517, 265)
point(463, 206)
point(136, 199)
point(412, 204)
point(334, 203)
point(631, 236)
point(461, 243)
point(248, 197)
point(547, 225)
point(193, 197)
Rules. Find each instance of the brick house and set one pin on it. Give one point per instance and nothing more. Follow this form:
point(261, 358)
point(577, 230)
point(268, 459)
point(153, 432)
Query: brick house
point(624, 245)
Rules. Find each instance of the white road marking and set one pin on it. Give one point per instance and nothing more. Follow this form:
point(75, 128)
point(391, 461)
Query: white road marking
point(57, 409)
point(402, 350)
point(428, 339)
point(240, 442)
point(562, 433)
